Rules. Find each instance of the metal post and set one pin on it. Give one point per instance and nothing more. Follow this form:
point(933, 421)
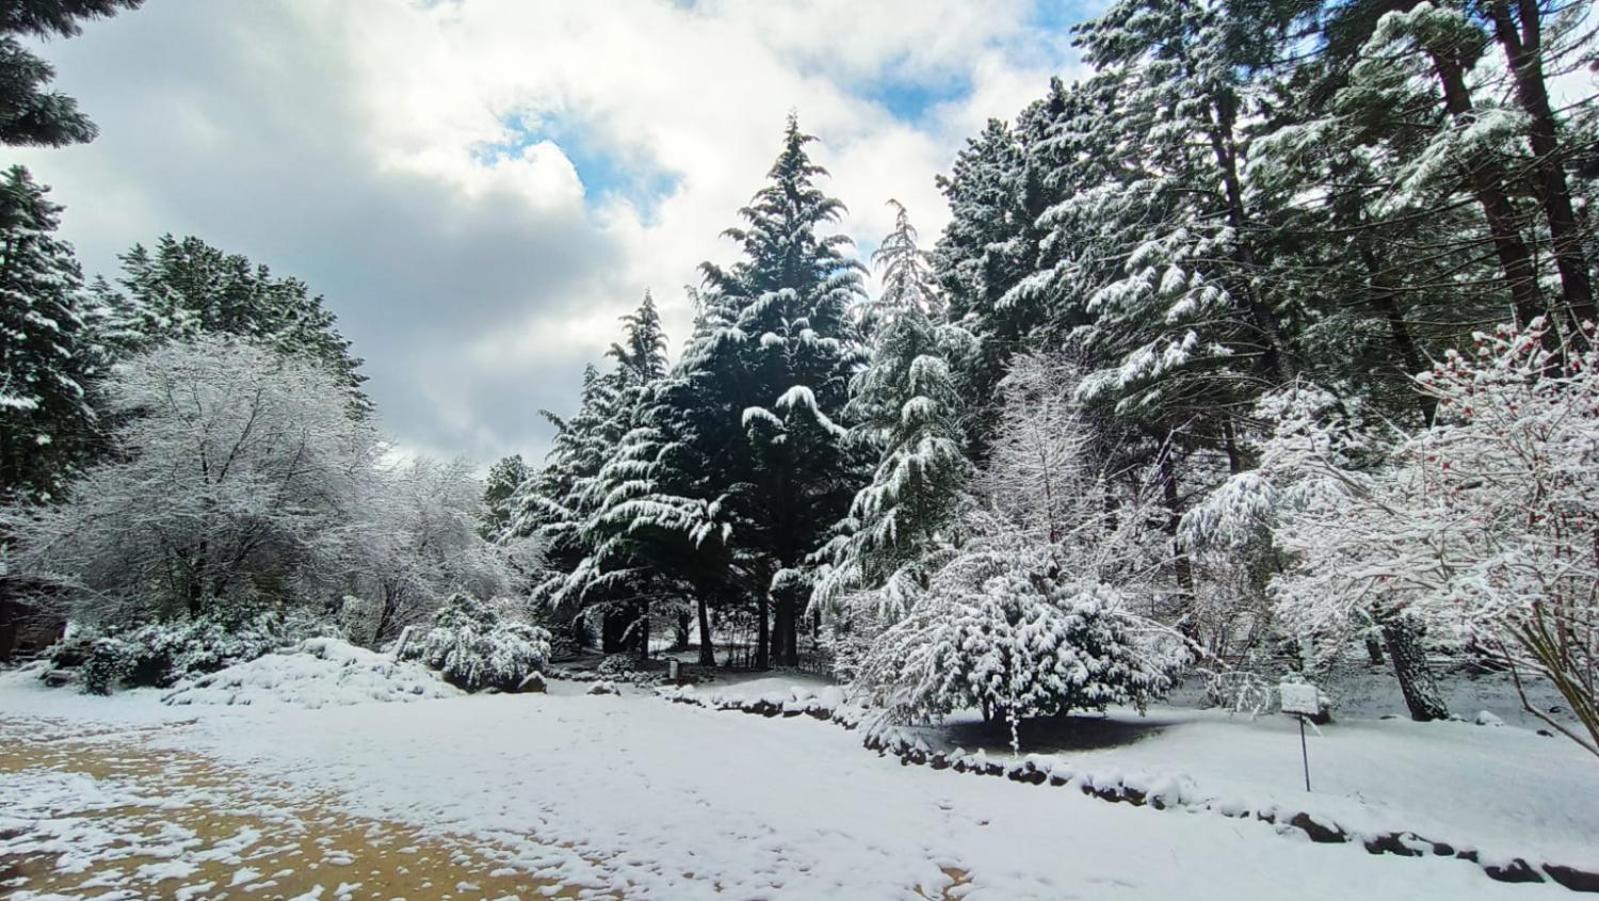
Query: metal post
point(1304, 752)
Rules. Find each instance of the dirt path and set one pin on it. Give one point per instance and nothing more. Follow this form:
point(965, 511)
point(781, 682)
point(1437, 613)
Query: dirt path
point(86, 815)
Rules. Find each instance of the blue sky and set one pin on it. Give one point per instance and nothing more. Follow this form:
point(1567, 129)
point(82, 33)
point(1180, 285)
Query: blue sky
point(481, 188)
point(606, 175)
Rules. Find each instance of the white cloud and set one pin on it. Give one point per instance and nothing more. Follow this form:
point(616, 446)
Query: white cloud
point(346, 143)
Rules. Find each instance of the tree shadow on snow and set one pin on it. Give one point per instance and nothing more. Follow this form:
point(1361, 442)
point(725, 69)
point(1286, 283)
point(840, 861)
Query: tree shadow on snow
point(1047, 735)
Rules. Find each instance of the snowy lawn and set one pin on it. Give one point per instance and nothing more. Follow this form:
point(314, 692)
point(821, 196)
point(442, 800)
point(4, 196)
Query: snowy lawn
point(658, 800)
point(1502, 790)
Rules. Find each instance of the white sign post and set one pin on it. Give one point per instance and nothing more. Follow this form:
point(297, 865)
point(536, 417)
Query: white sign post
point(1301, 700)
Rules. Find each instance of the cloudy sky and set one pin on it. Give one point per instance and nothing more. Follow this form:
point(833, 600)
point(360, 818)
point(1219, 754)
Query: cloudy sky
point(481, 187)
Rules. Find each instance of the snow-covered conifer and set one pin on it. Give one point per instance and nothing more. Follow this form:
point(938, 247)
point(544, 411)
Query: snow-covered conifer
point(30, 113)
point(46, 359)
point(768, 373)
point(905, 406)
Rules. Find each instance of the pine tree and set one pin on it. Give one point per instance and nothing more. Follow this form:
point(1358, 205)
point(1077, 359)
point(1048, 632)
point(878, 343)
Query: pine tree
point(186, 288)
point(906, 408)
point(1183, 318)
point(659, 510)
point(31, 114)
point(572, 502)
point(782, 358)
point(641, 356)
point(499, 491)
point(547, 503)
point(1415, 79)
point(47, 422)
point(1531, 48)
point(618, 567)
point(997, 190)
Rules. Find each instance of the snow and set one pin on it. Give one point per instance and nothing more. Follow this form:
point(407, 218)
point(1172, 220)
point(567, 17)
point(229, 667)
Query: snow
point(1508, 792)
point(1299, 697)
point(659, 800)
point(319, 672)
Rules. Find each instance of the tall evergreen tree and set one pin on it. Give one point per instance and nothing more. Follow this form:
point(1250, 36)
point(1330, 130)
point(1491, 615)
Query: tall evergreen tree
point(572, 501)
point(906, 408)
point(499, 492)
point(660, 510)
point(185, 288)
point(30, 113)
point(771, 369)
point(46, 419)
point(999, 187)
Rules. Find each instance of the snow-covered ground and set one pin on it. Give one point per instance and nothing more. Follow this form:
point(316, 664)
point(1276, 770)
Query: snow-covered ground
point(658, 800)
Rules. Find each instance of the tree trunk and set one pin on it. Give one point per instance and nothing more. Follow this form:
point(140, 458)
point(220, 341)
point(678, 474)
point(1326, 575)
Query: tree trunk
point(1384, 296)
point(642, 629)
point(680, 634)
point(10, 615)
point(1279, 356)
point(385, 616)
point(1524, 53)
point(1515, 260)
point(707, 650)
point(1235, 462)
point(791, 634)
point(1373, 650)
point(784, 624)
point(1422, 697)
point(196, 586)
point(613, 632)
point(1167, 473)
point(763, 633)
point(775, 638)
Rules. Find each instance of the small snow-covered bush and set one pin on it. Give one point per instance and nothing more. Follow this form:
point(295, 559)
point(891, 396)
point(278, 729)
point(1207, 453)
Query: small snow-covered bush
point(850, 640)
point(475, 648)
point(212, 643)
point(1007, 638)
point(317, 672)
point(161, 654)
point(1239, 691)
point(106, 662)
point(617, 665)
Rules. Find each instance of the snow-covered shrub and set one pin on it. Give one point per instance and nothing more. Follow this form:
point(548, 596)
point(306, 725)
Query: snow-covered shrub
point(1031, 614)
point(563, 644)
point(73, 649)
point(160, 654)
point(105, 664)
point(1239, 691)
point(617, 665)
point(1001, 633)
point(212, 643)
point(1316, 464)
point(1485, 525)
point(475, 647)
point(849, 640)
point(317, 672)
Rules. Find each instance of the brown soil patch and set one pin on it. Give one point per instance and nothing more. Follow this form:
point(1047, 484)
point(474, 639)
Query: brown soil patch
point(198, 830)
